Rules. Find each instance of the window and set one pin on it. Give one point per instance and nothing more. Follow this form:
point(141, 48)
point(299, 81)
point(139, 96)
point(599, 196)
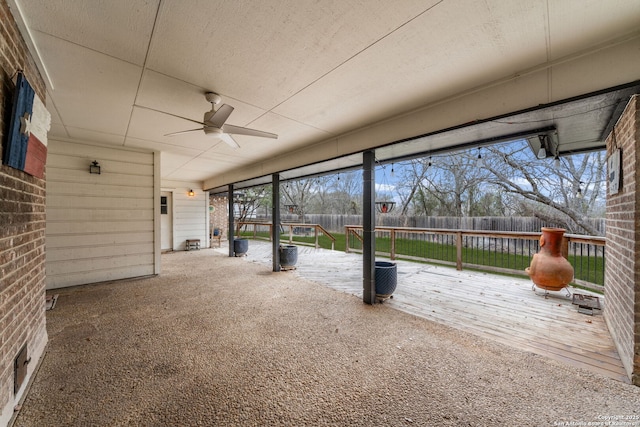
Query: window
point(163, 205)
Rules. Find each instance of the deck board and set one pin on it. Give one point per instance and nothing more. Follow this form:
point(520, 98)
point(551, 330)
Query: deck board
point(499, 308)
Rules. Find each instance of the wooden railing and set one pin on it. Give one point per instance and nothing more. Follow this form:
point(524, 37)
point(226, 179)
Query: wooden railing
point(499, 251)
point(296, 231)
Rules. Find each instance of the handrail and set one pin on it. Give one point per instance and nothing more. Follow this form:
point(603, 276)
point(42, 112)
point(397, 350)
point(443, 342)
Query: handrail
point(469, 248)
point(318, 229)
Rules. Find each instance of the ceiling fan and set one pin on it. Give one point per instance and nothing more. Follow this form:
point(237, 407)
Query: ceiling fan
point(214, 123)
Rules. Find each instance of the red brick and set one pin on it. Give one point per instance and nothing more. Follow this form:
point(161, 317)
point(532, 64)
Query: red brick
point(622, 309)
point(22, 222)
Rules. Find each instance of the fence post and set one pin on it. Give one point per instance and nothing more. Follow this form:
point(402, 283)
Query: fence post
point(316, 231)
point(346, 239)
point(459, 251)
point(393, 244)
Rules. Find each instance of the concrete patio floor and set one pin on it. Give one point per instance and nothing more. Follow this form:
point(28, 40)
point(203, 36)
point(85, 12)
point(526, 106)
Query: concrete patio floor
point(216, 340)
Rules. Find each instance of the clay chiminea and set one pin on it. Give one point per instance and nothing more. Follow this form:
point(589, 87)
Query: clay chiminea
point(549, 270)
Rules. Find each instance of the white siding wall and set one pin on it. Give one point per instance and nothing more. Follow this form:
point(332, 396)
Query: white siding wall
point(99, 227)
point(190, 214)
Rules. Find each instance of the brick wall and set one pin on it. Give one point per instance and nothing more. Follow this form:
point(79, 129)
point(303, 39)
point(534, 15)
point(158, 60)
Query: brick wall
point(622, 275)
point(22, 230)
point(218, 214)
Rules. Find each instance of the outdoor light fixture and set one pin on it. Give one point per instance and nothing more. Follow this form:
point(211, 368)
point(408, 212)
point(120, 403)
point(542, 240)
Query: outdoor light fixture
point(94, 167)
point(479, 162)
point(542, 152)
point(579, 194)
point(191, 193)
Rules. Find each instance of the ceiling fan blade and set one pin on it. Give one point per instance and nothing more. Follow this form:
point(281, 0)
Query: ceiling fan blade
point(237, 130)
point(182, 131)
point(168, 114)
point(229, 140)
point(220, 116)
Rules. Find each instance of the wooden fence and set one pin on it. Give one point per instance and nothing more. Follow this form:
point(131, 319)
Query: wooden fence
point(336, 223)
point(297, 232)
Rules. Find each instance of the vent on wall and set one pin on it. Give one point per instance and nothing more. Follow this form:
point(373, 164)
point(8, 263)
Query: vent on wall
point(20, 368)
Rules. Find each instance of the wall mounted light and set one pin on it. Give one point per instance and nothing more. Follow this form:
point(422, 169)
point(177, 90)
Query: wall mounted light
point(94, 167)
point(191, 193)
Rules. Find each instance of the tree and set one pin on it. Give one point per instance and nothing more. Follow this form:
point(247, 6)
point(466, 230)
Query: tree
point(298, 193)
point(322, 191)
point(445, 185)
point(568, 194)
point(247, 202)
point(347, 193)
point(512, 181)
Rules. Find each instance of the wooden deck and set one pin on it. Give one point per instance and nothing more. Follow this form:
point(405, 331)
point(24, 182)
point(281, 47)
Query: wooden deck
point(500, 308)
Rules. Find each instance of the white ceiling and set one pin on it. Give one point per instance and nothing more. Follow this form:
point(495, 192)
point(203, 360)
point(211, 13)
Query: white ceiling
point(310, 71)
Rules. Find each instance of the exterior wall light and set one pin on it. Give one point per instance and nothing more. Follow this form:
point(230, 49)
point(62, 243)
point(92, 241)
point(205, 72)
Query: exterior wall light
point(191, 193)
point(94, 167)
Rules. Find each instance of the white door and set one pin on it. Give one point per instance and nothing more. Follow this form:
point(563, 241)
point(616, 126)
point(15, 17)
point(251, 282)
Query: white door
point(166, 221)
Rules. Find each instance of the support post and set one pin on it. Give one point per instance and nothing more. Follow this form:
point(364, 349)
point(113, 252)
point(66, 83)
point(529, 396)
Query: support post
point(368, 228)
point(230, 232)
point(275, 220)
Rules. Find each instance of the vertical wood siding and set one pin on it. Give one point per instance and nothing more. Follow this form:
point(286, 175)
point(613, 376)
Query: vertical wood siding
point(99, 227)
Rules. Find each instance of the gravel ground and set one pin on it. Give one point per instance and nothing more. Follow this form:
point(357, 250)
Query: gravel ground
point(222, 341)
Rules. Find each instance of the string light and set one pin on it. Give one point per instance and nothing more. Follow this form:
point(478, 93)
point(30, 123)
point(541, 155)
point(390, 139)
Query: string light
point(479, 162)
point(542, 153)
point(579, 194)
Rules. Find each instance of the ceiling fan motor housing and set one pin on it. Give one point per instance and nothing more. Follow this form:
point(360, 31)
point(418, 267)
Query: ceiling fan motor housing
point(213, 98)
